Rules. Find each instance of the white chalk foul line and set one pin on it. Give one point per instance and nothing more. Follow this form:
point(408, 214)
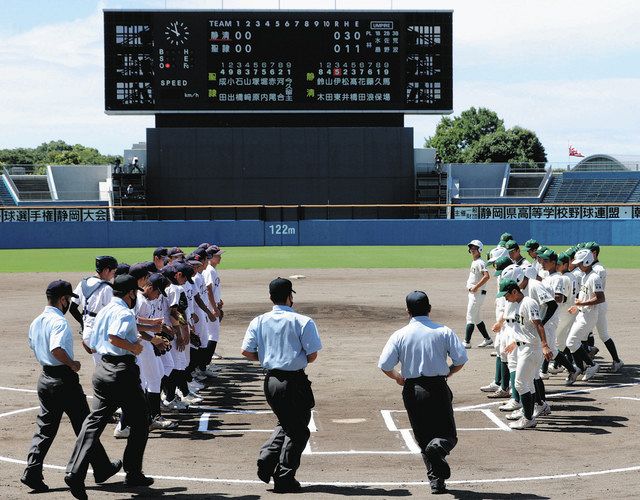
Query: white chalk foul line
point(622, 397)
point(365, 483)
point(22, 410)
point(17, 390)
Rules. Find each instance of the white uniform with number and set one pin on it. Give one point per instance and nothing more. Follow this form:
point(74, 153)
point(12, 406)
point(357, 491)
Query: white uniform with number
point(554, 283)
point(476, 299)
point(211, 278)
point(179, 360)
point(96, 301)
point(530, 349)
point(165, 313)
point(601, 323)
point(587, 316)
point(151, 368)
point(565, 318)
point(201, 326)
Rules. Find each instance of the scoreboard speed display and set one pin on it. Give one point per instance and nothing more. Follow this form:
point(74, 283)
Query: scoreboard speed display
point(278, 61)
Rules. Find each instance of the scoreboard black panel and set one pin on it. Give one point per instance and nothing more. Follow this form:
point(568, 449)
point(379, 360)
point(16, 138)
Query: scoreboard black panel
point(278, 61)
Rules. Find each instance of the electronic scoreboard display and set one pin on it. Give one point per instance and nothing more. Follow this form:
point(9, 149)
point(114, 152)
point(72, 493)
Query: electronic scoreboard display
point(278, 61)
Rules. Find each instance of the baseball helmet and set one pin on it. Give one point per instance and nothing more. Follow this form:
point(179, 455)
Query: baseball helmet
point(476, 243)
point(513, 272)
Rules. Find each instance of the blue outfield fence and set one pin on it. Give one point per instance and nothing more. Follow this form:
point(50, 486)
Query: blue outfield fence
point(311, 232)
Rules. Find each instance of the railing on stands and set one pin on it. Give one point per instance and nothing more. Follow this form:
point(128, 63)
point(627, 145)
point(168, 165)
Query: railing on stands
point(327, 212)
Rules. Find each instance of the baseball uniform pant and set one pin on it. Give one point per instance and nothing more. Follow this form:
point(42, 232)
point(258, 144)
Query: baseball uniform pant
point(290, 397)
point(213, 329)
point(116, 384)
point(550, 329)
point(474, 307)
point(167, 363)
point(179, 359)
point(151, 368)
point(601, 323)
point(529, 361)
point(565, 320)
point(428, 401)
point(59, 391)
point(583, 324)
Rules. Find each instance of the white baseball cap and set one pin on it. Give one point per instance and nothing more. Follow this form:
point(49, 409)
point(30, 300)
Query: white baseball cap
point(584, 256)
point(513, 272)
point(496, 253)
point(476, 243)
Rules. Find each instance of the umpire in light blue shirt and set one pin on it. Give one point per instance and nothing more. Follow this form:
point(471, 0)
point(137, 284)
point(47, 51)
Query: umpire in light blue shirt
point(284, 342)
point(59, 389)
point(116, 384)
point(422, 348)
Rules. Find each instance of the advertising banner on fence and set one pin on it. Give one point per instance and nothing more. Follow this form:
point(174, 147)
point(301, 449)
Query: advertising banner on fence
point(54, 215)
point(547, 212)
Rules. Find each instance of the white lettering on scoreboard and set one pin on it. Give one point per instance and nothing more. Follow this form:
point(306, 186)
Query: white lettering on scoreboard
point(547, 212)
point(54, 215)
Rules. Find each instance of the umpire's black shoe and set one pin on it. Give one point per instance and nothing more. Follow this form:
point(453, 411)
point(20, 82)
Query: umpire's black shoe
point(441, 468)
point(136, 479)
point(116, 465)
point(76, 485)
point(37, 484)
point(438, 487)
point(288, 486)
point(264, 471)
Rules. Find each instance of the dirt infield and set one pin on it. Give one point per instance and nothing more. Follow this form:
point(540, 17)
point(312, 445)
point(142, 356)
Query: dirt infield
point(358, 448)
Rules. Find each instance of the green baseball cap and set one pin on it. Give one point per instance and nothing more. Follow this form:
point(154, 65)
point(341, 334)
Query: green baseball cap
point(506, 237)
point(531, 245)
point(541, 249)
point(592, 245)
point(501, 264)
point(548, 254)
point(580, 246)
point(564, 257)
point(506, 286)
point(511, 245)
point(502, 243)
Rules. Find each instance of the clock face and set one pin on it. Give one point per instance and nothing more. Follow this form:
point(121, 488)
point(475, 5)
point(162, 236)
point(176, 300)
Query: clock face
point(176, 33)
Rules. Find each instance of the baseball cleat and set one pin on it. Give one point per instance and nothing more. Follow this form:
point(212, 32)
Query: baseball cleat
point(493, 354)
point(191, 399)
point(486, 343)
point(499, 394)
point(543, 376)
point(510, 405)
point(174, 404)
point(593, 351)
point(590, 372)
point(515, 415)
point(120, 433)
point(492, 387)
point(541, 410)
point(523, 423)
point(617, 366)
point(554, 370)
point(572, 377)
point(161, 423)
point(467, 345)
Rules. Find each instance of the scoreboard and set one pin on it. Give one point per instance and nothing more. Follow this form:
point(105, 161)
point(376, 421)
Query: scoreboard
point(278, 61)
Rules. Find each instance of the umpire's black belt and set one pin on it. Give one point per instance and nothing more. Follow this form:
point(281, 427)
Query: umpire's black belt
point(424, 378)
point(285, 373)
point(113, 359)
point(57, 371)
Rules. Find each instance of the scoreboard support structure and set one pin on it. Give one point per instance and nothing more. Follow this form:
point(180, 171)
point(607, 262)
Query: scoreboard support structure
point(279, 107)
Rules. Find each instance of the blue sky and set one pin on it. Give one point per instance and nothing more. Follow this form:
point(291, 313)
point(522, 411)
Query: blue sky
point(567, 70)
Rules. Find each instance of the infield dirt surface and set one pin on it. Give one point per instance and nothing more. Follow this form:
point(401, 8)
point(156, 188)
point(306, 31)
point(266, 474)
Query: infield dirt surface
point(589, 431)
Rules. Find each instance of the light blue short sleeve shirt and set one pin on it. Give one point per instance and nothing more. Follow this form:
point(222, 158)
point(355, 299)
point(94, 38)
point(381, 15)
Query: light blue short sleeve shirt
point(114, 319)
point(282, 338)
point(422, 348)
point(47, 332)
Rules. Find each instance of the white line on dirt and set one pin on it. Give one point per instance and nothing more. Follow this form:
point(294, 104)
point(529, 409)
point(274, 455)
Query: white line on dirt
point(17, 390)
point(622, 397)
point(496, 420)
point(22, 410)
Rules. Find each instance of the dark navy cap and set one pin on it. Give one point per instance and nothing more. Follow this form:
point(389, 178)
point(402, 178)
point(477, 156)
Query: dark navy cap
point(204, 245)
point(59, 288)
point(125, 283)
point(214, 250)
point(193, 263)
point(417, 301)
point(160, 252)
point(106, 261)
point(200, 254)
point(169, 272)
point(184, 268)
point(122, 269)
point(280, 287)
point(159, 282)
point(139, 270)
point(175, 252)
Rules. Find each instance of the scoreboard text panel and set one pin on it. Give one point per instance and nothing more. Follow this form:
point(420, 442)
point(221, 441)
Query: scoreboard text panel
point(278, 61)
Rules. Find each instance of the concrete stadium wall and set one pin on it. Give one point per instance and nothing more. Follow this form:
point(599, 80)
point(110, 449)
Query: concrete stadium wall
point(310, 232)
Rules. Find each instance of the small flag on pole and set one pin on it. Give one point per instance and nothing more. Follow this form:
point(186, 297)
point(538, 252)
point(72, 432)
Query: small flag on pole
point(574, 152)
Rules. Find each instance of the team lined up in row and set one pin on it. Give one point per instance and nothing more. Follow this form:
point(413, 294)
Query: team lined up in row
point(178, 311)
point(546, 310)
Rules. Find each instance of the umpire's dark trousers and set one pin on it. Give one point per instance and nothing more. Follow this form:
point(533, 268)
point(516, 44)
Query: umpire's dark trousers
point(290, 397)
point(428, 403)
point(59, 391)
point(116, 384)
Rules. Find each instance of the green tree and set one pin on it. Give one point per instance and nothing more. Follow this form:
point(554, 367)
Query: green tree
point(479, 136)
point(55, 153)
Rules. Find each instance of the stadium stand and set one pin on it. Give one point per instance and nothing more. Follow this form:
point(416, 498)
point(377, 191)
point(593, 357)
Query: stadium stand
point(32, 187)
point(6, 200)
point(600, 189)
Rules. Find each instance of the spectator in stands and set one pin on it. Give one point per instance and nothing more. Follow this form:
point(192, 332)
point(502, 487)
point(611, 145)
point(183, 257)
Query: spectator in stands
point(135, 166)
point(129, 191)
point(117, 168)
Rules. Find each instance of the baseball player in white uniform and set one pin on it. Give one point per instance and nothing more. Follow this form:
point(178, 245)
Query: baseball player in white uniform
point(93, 293)
point(585, 307)
point(601, 323)
point(532, 346)
point(214, 293)
point(478, 277)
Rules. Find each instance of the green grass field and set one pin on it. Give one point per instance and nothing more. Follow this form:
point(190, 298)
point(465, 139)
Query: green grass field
point(81, 259)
